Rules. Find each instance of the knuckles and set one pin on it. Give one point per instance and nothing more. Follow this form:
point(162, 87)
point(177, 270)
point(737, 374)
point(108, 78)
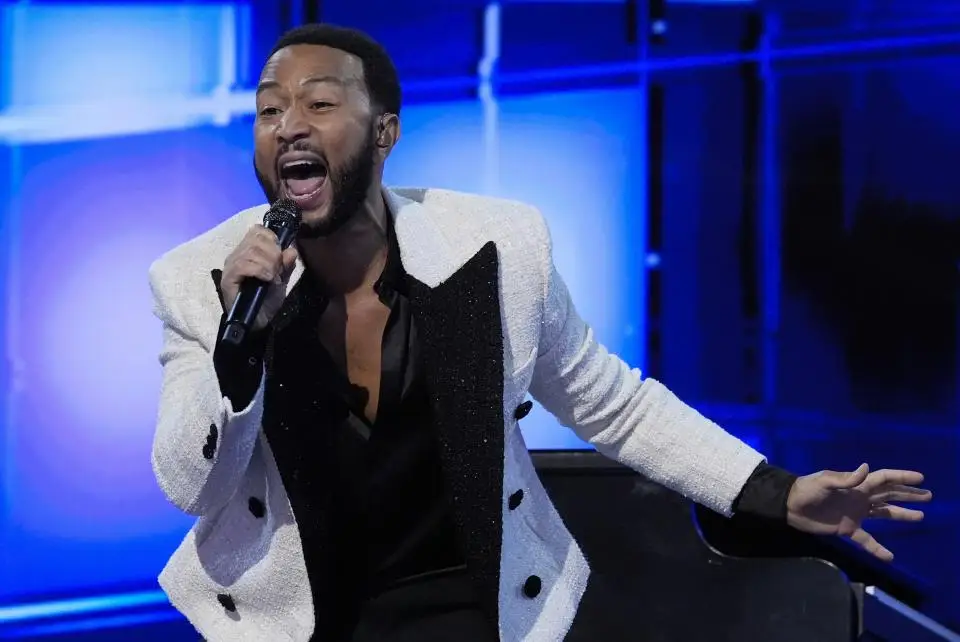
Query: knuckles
point(258, 255)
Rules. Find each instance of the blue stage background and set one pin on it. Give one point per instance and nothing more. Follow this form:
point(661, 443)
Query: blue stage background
point(122, 159)
point(126, 129)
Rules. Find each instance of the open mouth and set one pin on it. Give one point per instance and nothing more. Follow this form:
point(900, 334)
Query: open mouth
point(303, 179)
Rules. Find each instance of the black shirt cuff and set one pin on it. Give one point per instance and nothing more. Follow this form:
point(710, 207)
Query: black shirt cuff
point(240, 368)
point(765, 493)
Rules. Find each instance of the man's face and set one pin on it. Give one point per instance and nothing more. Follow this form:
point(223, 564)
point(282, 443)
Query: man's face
point(314, 135)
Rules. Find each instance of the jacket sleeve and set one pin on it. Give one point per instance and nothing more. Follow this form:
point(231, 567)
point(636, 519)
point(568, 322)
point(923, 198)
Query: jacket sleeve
point(203, 443)
point(633, 420)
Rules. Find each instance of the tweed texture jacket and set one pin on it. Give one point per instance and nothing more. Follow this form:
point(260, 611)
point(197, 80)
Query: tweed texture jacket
point(497, 324)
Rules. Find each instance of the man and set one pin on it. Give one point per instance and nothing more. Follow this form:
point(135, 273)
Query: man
point(356, 466)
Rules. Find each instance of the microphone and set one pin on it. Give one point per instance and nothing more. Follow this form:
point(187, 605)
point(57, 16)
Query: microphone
point(283, 219)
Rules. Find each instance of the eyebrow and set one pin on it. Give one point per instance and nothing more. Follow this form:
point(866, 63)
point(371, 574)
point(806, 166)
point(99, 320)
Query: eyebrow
point(310, 80)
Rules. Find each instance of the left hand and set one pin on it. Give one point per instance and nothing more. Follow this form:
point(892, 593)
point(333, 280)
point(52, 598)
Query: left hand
point(832, 503)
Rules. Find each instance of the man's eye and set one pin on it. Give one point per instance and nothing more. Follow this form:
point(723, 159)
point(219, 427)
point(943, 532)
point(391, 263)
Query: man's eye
point(322, 104)
point(269, 111)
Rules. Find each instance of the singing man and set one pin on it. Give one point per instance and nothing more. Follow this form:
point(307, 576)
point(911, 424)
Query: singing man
point(356, 465)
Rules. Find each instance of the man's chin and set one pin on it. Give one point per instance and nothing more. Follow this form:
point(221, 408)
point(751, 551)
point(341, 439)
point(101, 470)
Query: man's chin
point(317, 216)
point(319, 222)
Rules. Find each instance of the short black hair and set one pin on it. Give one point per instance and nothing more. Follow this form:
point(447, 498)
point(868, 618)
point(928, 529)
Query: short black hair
point(379, 72)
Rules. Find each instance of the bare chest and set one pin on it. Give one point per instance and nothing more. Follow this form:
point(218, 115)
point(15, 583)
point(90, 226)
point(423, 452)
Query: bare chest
point(352, 332)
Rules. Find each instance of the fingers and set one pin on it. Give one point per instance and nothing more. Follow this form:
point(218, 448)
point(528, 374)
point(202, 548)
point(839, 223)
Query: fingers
point(900, 493)
point(835, 480)
point(257, 267)
point(261, 233)
point(892, 477)
point(258, 256)
point(866, 542)
point(896, 513)
point(262, 241)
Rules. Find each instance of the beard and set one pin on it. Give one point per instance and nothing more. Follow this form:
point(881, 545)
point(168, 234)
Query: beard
point(349, 184)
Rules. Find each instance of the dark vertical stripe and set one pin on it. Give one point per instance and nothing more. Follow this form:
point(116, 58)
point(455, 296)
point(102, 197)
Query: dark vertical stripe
point(657, 12)
point(630, 21)
point(751, 180)
point(750, 259)
point(312, 10)
point(656, 114)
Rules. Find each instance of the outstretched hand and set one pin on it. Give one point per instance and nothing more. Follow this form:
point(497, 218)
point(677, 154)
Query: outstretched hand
point(834, 503)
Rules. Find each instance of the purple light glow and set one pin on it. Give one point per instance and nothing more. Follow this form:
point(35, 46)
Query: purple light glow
point(94, 216)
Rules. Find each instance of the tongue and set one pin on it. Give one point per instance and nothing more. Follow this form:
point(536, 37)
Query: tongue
point(304, 186)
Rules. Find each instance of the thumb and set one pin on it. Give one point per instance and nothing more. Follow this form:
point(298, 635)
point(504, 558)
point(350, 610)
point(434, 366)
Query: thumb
point(288, 260)
point(847, 480)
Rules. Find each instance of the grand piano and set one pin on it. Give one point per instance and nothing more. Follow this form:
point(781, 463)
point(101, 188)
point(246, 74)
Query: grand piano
point(695, 576)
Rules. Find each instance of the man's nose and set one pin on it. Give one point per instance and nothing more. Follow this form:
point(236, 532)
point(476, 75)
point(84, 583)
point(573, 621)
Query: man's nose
point(292, 128)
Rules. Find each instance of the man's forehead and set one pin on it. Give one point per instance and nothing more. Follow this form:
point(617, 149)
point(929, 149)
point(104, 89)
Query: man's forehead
point(312, 60)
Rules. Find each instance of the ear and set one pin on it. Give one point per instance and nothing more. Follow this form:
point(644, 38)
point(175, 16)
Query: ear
point(388, 133)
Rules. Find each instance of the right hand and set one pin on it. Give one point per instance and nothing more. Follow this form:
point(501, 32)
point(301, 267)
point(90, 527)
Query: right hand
point(259, 256)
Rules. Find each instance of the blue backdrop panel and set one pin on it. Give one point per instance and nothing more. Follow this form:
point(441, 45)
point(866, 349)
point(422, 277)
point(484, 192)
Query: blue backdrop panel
point(82, 506)
point(579, 157)
point(122, 51)
point(441, 145)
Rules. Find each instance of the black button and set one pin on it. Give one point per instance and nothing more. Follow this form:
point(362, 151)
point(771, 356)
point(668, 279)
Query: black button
point(256, 507)
point(253, 361)
point(531, 588)
point(211, 447)
point(515, 500)
point(523, 410)
point(227, 602)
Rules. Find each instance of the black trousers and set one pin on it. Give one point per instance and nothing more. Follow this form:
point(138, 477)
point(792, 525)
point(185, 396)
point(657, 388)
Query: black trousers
point(444, 608)
point(436, 608)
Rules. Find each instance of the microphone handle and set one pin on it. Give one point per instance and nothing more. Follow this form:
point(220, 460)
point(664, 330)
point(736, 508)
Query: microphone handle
point(253, 291)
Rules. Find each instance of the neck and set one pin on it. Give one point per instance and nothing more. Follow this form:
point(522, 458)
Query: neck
point(352, 258)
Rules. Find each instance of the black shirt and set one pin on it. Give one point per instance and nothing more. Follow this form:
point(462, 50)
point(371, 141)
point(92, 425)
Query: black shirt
point(379, 485)
point(392, 518)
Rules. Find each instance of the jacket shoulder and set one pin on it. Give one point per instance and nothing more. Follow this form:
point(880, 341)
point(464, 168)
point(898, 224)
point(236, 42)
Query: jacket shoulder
point(508, 222)
point(207, 251)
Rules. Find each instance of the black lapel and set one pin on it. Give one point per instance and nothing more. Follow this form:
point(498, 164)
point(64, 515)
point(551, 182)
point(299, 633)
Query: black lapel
point(217, 276)
point(462, 351)
point(294, 411)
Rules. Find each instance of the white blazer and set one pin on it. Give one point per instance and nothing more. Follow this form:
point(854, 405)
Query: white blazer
point(490, 302)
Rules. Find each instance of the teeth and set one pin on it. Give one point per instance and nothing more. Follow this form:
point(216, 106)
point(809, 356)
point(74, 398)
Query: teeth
point(299, 163)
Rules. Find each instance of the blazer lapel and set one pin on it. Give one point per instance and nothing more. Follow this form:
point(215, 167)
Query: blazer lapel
point(456, 305)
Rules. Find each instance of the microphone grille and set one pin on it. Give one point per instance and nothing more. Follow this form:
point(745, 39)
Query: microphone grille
point(283, 213)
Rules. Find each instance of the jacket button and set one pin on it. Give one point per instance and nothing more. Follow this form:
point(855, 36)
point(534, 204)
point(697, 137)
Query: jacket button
point(531, 588)
point(523, 410)
point(226, 602)
point(515, 499)
point(256, 507)
point(211, 447)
